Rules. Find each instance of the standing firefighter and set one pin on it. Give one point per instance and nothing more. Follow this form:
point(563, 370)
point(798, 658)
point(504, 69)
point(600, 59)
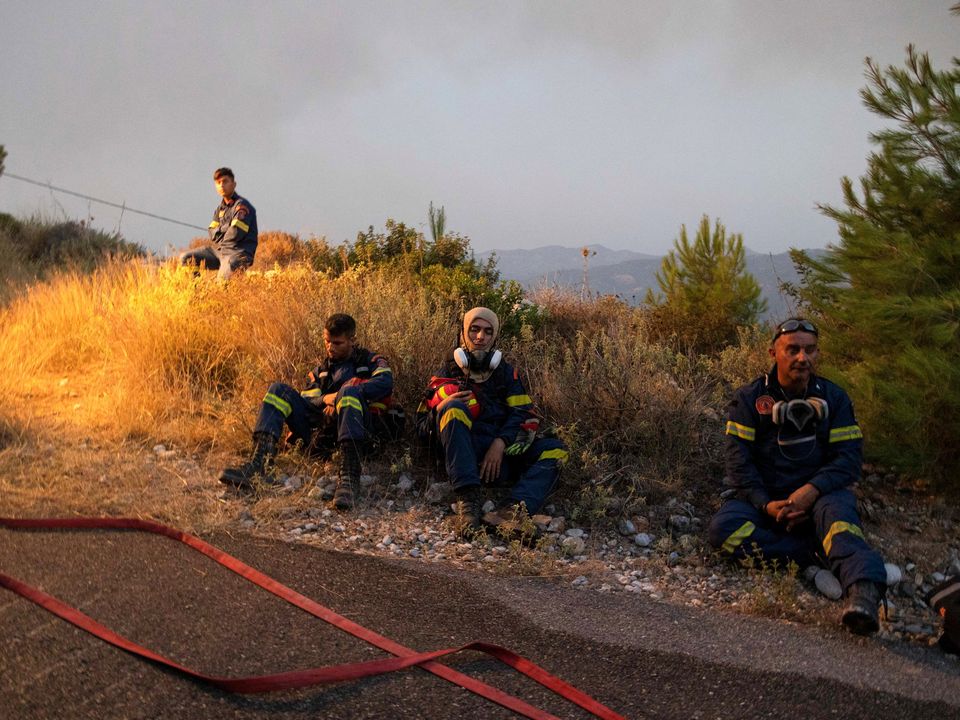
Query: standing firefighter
point(793, 449)
point(484, 419)
point(233, 231)
point(337, 408)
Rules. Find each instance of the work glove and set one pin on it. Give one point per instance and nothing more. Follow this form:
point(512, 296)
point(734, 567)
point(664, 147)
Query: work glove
point(525, 438)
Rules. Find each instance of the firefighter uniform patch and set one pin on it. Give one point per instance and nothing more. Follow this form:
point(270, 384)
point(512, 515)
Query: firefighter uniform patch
point(764, 404)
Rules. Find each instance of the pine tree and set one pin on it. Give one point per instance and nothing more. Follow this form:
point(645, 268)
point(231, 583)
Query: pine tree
point(888, 294)
point(707, 292)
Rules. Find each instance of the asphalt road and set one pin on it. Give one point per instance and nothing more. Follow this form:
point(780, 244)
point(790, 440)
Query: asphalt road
point(641, 658)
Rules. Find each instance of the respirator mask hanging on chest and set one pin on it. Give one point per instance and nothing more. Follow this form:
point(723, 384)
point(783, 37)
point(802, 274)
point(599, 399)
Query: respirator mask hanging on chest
point(477, 362)
point(797, 422)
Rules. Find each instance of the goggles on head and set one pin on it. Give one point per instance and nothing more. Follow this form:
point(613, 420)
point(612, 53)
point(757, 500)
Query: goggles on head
point(792, 326)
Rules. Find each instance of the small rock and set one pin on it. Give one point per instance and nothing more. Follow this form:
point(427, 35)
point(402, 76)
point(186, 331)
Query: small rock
point(626, 527)
point(488, 506)
point(641, 523)
point(938, 577)
point(542, 522)
point(404, 483)
point(893, 574)
point(367, 480)
point(294, 482)
point(579, 580)
point(387, 540)
point(642, 540)
point(415, 552)
point(159, 449)
point(296, 531)
point(673, 559)
point(679, 522)
point(573, 545)
point(438, 492)
point(575, 533)
point(557, 525)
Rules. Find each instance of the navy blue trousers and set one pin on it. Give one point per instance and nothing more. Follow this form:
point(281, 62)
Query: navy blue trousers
point(834, 532)
point(532, 474)
point(283, 405)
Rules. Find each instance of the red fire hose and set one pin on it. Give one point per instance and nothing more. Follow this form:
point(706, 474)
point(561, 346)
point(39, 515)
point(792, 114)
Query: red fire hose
point(404, 657)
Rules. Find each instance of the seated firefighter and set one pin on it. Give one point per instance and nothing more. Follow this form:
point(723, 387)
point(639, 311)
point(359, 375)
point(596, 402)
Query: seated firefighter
point(484, 420)
point(338, 407)
point(793, 448)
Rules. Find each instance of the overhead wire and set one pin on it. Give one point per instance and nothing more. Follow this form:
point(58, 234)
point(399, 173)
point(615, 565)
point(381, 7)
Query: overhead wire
point(123, 207)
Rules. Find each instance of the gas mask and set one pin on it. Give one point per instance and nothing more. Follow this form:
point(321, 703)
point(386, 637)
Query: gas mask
point(800, 414)
point(479, 362)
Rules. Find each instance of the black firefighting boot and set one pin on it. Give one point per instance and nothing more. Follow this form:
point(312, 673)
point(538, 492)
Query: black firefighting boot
point(260, 464)
point(862, 614)
point(467, 507)
point(348, 482)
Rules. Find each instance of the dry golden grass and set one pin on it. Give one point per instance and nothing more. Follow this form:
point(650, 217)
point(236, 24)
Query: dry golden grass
point(136, 354)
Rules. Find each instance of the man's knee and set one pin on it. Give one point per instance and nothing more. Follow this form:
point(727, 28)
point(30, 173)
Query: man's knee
point(731, 525)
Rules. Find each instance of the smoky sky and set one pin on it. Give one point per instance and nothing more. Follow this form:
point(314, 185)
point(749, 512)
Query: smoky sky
point(532, 123)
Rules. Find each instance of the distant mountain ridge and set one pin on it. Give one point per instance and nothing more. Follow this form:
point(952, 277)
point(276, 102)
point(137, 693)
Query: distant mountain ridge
point(630, 274)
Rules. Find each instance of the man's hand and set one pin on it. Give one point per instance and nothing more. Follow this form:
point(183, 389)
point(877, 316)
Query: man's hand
point(490, 467)
point(462, 395)
point(796, 508)
point(804, 497)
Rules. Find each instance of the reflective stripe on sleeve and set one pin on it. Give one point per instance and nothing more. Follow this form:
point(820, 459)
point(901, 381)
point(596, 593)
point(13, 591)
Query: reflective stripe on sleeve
point(279, 403)
point(838, 527)
point(518, 400)
point(850, 432)
point(741, 431)
point(214, 224)
point(312, 393)
point(380, 371)
point(240, 224)
point(737, 537)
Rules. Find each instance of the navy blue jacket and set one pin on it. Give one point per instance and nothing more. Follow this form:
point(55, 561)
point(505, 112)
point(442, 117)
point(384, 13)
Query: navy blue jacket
point(504, 403)
point(376, 387)
point(234, 225)
point(765, 461)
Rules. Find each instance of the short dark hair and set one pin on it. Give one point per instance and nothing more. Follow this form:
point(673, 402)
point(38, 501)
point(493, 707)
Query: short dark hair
point(223, 172)
point(341, 324)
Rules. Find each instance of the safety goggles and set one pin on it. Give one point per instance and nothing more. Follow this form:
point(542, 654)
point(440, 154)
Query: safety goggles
point(792, 326)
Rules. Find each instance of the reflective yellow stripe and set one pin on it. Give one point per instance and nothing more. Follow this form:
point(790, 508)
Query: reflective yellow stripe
point(279, 403)
point(559, 454)
point(455, 414)
point(850, 432)
point(380, 371)
point(214, 224)
point(442, 392)
point(517, 400)
point(377, 406)
point(315, 392)
point(350, 402)
point(240, 224)
point(736, 539)
point(838, 527)
point(741, 431)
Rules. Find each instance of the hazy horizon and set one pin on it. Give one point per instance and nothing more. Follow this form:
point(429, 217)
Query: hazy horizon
point(532, 123)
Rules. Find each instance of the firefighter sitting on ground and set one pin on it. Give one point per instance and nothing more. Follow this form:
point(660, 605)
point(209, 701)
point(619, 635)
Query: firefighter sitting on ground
point(483, 417)
point(793, 448)
point(346, 399)
point(233, 231)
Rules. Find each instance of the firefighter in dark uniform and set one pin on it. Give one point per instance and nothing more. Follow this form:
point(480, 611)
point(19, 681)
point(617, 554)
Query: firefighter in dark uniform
point(233, 231)
point(793, 448)
point(485, 423)
point(336, 408)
